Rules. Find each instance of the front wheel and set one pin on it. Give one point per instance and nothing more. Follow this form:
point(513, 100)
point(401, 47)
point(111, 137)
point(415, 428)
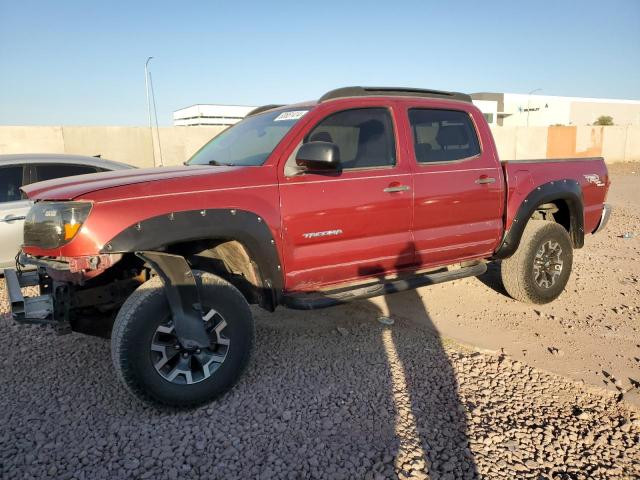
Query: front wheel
point(156, 368)
point(540, 268)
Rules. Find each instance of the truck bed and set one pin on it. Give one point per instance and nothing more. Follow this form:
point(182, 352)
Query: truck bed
point(523, 176)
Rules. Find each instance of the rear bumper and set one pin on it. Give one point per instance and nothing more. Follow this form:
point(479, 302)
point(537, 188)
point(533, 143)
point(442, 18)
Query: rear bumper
point(604, 218)
point(38, 309)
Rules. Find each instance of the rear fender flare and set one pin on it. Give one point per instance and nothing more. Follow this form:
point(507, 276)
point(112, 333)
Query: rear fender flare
point(157, 233)
point(565, 189)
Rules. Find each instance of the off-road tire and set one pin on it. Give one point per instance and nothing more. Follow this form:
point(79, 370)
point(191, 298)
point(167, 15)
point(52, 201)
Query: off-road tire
point(517, 271)
point(135, 327)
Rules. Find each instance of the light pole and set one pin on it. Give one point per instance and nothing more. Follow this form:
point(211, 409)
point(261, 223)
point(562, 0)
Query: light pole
point(146, 86)
point(528, 102)
point(155, 114)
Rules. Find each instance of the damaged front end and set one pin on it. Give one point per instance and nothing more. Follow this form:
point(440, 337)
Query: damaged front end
point(80, 294)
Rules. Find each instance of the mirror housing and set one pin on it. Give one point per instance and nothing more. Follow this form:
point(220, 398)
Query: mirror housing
point(319, 157)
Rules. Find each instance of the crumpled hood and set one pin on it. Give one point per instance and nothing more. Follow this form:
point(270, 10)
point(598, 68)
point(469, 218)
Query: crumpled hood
point(69, 188)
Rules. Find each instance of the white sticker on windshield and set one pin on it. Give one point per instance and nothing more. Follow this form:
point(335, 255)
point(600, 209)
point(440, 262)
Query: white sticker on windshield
point(294, 115)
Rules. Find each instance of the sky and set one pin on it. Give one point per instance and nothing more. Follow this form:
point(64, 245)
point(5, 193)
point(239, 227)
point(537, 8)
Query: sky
point(82, 62)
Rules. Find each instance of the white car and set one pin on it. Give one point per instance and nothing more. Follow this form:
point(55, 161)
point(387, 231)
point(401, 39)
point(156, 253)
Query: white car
point(23, 169)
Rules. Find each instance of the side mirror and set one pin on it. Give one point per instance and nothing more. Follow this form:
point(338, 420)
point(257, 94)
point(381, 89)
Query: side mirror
point(319, 157)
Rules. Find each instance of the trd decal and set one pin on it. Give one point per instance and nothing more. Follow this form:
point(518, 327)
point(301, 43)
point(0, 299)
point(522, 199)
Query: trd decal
point(595, 179)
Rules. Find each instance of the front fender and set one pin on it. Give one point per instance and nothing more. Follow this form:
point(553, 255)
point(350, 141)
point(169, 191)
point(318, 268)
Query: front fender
point(156, 233)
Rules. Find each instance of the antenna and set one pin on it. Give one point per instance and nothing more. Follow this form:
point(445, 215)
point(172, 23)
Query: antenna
point(148, 84)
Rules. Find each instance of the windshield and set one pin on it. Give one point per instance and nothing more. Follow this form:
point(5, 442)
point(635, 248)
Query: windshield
point(249, 142)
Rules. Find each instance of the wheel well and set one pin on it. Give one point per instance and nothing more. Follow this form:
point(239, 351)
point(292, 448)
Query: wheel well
point(231, 260)
point(559, 201)
point(555, 211)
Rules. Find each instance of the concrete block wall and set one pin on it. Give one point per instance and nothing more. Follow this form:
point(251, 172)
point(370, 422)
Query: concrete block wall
point(129, 145)
point(133, 144)
point(124, 144)
point(632, 145)
point(31, 140)
point(615, 143)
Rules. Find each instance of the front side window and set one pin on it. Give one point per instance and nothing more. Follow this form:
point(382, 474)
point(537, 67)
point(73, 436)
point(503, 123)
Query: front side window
point(10, 183)
point(442, 135)
point(249, 142)
point(364, 137)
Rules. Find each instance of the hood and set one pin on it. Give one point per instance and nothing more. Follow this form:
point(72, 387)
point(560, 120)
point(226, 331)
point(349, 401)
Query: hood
point(68, 188)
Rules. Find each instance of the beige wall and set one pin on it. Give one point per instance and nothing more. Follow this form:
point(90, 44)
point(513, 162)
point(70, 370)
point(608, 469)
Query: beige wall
point(632, 146)
point(505, 138)
point(615, 144)
point(31, 139)
point(531, 142)
point(129, 145)
point(586, 113)
point(124, 144)
point(133, 144)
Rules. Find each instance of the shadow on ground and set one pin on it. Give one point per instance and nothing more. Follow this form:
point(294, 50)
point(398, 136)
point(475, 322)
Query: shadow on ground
point(491, 278)
point(430, 426)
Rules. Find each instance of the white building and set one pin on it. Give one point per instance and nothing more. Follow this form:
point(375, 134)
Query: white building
point(229, 114)
point(500, 109)
point(521, 109)
point(210, 115)
point(489, 109)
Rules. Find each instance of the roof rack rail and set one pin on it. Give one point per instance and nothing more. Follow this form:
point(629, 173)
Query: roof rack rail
point(263, 108)
point(392, 91)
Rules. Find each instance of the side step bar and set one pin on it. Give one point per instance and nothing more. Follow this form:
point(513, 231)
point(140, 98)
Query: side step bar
point(330, 298)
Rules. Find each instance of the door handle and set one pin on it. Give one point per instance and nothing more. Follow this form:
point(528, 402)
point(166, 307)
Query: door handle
point(484, 179)
point(12, 218)
point(397, 188)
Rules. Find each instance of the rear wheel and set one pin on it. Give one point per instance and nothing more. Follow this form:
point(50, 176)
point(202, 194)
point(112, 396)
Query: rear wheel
point(156, 368)
point(540, 268)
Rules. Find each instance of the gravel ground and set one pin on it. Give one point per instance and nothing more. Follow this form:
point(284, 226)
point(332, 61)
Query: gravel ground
point(333, 394)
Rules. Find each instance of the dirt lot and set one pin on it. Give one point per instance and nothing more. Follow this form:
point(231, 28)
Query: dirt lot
point(591, 333)
point(335, 394)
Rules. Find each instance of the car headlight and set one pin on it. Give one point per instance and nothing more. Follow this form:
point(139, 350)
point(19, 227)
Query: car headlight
point(53, 224)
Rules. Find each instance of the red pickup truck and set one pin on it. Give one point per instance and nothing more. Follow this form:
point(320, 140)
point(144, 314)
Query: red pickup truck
point(365, 192)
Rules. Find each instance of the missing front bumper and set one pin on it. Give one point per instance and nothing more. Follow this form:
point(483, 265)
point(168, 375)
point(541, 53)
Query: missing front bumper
point(31, 310)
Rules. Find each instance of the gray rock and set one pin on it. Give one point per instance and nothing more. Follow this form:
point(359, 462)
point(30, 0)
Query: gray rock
point(309, 407)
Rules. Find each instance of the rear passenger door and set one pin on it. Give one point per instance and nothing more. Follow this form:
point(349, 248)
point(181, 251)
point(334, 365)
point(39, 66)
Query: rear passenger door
point(458, 187)
point(356, 223)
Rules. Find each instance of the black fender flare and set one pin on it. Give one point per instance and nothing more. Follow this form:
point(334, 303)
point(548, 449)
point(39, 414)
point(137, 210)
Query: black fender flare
point(566, 189)
point(156, 233)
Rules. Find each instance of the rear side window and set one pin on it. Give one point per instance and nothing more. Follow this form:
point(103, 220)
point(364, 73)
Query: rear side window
point(442, 135)
point(57, 170)
point(10, 183)
point(364, 137)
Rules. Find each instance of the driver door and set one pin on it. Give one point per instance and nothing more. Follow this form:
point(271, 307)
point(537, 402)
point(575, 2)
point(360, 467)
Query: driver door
point(340, 227)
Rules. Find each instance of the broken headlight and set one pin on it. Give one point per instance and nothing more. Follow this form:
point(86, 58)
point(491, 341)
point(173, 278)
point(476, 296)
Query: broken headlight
point(53, 224)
